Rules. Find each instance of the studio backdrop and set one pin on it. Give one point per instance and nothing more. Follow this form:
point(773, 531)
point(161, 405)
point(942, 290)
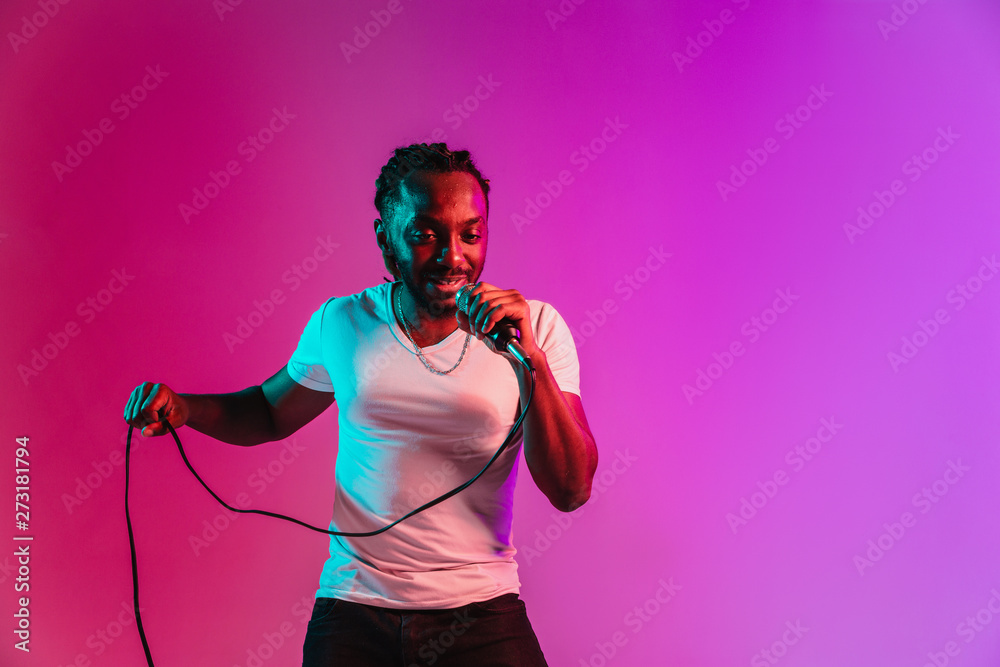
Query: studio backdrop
point(772, 228)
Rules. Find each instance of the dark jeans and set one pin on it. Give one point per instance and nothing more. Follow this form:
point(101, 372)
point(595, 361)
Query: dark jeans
point(494, 633)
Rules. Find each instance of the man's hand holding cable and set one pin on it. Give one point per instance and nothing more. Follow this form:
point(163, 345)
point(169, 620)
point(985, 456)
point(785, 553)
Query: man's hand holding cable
point(150, 405)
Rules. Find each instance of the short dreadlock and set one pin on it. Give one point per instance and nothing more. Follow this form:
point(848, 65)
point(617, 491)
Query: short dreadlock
point(433, 158)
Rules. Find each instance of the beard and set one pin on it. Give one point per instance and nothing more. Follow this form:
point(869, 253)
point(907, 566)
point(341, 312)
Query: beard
point(436, 308)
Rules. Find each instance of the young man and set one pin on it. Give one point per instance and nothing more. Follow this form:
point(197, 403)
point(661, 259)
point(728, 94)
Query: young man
point(423, 404)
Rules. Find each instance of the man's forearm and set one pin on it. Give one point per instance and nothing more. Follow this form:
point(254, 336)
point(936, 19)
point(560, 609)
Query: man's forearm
point(560, 452)
point(240, 418)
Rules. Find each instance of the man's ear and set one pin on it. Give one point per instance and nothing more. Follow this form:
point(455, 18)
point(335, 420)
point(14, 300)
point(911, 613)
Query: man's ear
point(381, 236)
point(388, 256)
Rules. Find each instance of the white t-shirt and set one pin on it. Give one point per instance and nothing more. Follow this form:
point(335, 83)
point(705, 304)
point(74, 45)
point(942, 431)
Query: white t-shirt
point(408, 436)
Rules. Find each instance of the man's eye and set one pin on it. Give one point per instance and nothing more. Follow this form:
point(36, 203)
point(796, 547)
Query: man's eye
point(473, 237)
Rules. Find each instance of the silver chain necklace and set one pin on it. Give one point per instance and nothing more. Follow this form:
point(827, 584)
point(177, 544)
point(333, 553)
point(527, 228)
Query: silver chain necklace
point(420, 354)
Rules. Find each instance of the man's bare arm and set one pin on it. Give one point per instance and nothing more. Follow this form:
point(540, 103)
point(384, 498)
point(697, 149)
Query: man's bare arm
point(271, 411)
point(558, 446)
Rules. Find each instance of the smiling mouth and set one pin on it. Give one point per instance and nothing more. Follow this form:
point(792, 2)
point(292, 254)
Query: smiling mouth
point(449, 282)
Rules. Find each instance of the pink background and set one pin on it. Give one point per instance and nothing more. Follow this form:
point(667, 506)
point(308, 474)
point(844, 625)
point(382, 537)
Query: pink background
point(684, 462)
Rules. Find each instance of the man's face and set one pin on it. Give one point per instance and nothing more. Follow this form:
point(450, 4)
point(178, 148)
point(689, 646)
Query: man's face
point(438, 235)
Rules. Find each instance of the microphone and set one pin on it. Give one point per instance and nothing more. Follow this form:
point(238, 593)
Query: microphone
point(503, 337)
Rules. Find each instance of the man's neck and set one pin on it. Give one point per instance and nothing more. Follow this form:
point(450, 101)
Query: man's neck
point(424, 328)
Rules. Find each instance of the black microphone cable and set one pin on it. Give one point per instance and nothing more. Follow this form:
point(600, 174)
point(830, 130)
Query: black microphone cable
point(128, 520)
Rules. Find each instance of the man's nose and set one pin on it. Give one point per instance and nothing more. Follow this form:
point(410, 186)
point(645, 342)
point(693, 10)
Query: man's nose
point(451, 253)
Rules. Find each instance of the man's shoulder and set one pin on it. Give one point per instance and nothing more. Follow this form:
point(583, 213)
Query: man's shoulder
point(547, 322)
point(368, 301)
point(542, 311)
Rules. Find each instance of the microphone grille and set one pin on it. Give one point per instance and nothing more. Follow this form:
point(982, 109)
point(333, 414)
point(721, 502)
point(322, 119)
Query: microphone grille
point(462, 298)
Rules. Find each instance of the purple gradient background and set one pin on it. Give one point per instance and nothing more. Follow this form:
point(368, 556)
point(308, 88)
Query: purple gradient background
point(655, 186)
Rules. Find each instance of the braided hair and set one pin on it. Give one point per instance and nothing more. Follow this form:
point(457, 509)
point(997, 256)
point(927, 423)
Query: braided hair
point(433, 158)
